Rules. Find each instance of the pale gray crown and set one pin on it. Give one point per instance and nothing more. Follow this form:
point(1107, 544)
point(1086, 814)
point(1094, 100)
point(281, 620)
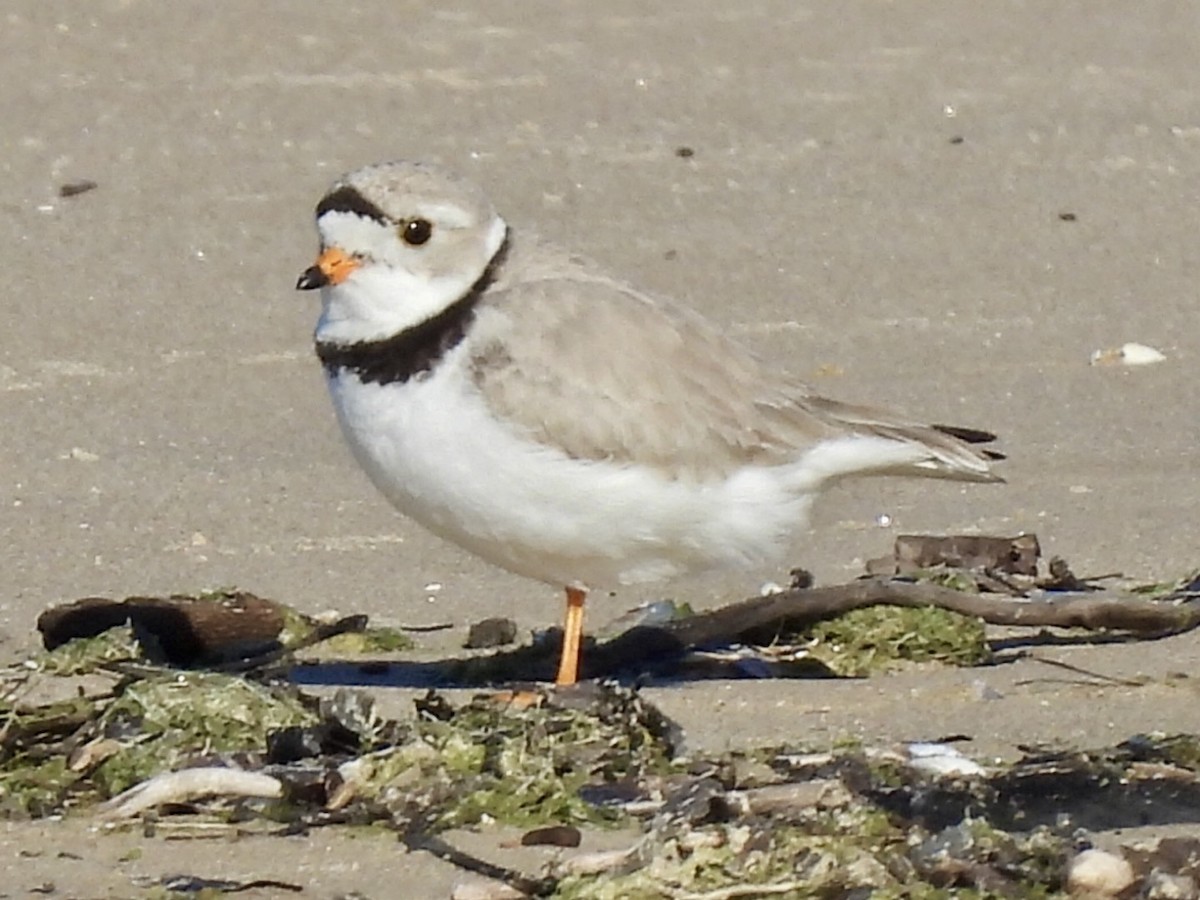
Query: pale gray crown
point(390, 195)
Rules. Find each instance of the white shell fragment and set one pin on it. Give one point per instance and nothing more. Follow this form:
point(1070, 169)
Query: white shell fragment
point(942, 760)
point(1127, 355)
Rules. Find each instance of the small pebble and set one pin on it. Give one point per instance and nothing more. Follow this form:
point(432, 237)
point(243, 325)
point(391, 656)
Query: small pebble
point(1161, 886)
point(494, 632)
point(1098, 873)
point(75, 188)
point(485, 890)
point(984, 691)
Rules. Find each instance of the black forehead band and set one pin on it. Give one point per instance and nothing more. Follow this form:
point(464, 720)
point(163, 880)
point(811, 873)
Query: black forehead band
point(347, 199)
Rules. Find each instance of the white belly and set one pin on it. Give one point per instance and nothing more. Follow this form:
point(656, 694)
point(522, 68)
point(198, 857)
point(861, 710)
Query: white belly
point(436, 453)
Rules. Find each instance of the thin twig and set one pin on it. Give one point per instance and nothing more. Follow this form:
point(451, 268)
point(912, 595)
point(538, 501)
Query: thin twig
point(745, 890)
point(1078, 670)
point(416, 839)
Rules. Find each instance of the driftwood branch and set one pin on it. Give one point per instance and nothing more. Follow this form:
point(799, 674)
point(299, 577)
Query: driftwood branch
point(1103, 610)
point(189, 784)
point(795, 609)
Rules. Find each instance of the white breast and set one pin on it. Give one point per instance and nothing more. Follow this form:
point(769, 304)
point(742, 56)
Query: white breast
point(436, 452)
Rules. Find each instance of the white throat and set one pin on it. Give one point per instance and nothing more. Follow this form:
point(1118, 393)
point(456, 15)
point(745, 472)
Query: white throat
point(379, 301)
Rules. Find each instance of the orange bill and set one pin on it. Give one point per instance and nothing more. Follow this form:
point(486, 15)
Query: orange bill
point(333, 266)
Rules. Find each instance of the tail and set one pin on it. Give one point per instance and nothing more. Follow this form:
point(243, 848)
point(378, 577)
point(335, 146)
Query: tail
point(881, 443)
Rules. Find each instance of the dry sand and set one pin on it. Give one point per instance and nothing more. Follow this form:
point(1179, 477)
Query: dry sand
point(165, 426)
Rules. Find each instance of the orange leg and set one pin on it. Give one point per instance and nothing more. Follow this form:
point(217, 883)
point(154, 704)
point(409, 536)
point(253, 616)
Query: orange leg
point(568, 664)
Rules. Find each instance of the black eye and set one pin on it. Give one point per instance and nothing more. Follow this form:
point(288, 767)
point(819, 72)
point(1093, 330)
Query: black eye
point(415, 232)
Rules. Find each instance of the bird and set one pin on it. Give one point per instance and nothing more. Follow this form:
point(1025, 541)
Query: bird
point(514, 399)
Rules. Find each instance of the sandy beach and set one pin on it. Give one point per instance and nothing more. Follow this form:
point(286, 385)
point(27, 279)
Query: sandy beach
point(941, 208)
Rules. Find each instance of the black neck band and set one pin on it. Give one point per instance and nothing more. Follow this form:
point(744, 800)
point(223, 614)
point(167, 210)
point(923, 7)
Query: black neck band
point(417, 349)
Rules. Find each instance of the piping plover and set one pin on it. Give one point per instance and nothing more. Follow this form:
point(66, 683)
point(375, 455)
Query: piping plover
point(516, 400)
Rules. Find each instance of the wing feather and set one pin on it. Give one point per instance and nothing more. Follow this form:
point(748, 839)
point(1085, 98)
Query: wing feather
point(585, 363)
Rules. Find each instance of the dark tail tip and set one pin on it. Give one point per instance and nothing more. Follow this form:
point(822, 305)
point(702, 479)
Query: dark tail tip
point(971, 436)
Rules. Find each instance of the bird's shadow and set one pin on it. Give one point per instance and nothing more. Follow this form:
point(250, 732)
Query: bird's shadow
point(641, 654)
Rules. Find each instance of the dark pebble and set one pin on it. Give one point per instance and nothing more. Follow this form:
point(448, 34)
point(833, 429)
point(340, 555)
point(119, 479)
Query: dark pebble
point(494, 632)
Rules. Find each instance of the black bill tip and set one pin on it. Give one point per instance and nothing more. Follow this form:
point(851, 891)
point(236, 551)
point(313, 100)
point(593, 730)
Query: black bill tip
point(311, 279)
